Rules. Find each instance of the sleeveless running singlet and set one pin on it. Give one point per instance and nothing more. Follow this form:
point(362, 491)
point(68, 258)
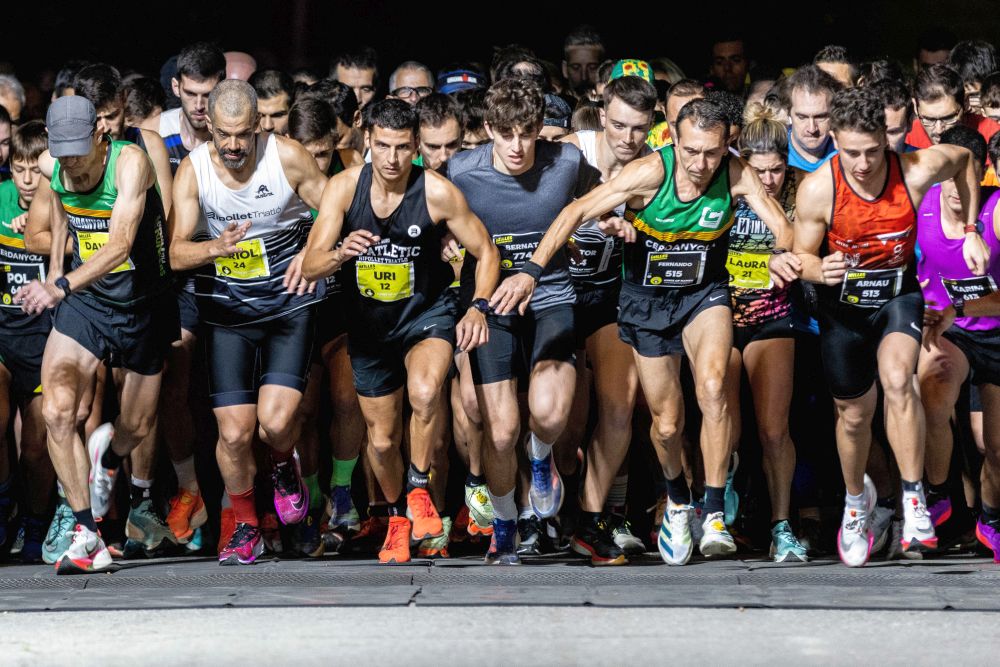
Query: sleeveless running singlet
point(18, 267)
point(678, 243)
point(170, 130)
point(402, 275)
point(942, 264)
point(146, 271)
point(877, 237)
point(247, 287)
point(134, 135)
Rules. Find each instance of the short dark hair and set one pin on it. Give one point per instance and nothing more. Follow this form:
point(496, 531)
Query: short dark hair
point(813, 80)
point(529, 68)
point(857, 109)
point(201, 61)
point(100, 84)
point(732, 105)
point(966, 137)
point(390, 114)
point(514, 103)
point(582, 35)
point(935, 39)
point(270, 83)
point(634, 91)
point(938, 81)
point(893, 95)
point(685, 88)
point(705, 114)
point(473, 106)
point(503, 54)
point(65, 76)
point(5, 116)
point(989, 94)
point(29, 141)
point(878, 70)
point(435, 110)
point(974, 60)
point(832, 53)
point(365, 58)
point(142, 96)
point(342, 100)
point(310, 119)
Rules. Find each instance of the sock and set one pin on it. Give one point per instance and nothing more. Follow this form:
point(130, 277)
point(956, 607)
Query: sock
point(139, 490)
point(912, 487)
point(282, 457)
point(86, 519)
point(474, 480)
point(311, 482)
point(589, 519)
point(417, 479)
point(538, 449)
point(60, 490)
point(186, 476)
point(525, 513)
point(244, 508)
point(110, 460)
point(343, 469)
point(504, 507)
point(677, 489)
point(855, 502)
point(618, 494)
point(991, 515)
point(715, 499)
point(398, 508)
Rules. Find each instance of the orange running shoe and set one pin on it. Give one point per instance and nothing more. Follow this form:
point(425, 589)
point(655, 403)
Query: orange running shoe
point(420, 509)
point(187, 513)
point(227, 526)
point(396, 548)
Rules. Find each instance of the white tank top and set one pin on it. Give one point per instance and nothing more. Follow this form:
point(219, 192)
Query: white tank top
point(592, 264)
point(170, 122)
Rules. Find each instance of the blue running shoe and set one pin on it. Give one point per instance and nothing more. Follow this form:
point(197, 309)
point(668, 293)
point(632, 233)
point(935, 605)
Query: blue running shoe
point(503, 544)
point(343, 513)
point(546, 492)
point(732, 499)
point(60, 535)
point(785, 546)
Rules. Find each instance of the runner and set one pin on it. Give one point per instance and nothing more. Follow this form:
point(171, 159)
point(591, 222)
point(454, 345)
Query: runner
point(440, 134)
point(402, 319)
point(275, 95)
point(199, 68)
point(810, 91)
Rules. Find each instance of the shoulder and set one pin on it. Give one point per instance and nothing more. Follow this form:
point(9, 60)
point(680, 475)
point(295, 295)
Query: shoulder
point(132, 155)
point(468, 161)
point(815, 189)
point(290, 152)
point(574, 138)
point(152, 139)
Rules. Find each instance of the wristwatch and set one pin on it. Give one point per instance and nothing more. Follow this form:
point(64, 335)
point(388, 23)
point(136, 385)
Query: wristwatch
point(482, 305)
point(63, 284)
point(959, 306)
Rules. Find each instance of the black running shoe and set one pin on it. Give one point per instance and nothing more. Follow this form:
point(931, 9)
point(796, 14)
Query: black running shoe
point(533, 540)
point(596, 542)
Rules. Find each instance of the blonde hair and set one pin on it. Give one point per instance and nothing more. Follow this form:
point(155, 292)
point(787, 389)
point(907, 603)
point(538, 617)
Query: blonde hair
point(763, 132)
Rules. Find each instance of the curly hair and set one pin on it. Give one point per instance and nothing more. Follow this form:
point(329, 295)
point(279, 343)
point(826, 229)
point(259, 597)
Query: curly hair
point(857, 109)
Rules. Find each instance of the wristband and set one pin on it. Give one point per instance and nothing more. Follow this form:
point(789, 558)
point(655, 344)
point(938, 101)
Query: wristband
point(533, 270)
point(972, 228)
point(482, 305)
point(62, 283)
point(959, 306)
point(779, 251)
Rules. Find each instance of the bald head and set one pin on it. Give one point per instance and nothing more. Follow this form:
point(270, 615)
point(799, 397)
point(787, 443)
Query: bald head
point(240, 65)
point(232, 98)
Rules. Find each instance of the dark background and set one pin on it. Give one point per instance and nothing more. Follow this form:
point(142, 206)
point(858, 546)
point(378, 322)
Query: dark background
point(38, 36)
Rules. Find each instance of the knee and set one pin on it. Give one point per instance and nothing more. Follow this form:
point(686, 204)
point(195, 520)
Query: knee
point(666, 429)
point(504, 436)
point(711, 393)
point(897, 383)
point(854, 420)
point(424, 396)
point(380, 443)
point(59, 413)
point(550, 411)
point(276, 420)
point(772, 436)
point(234, 437)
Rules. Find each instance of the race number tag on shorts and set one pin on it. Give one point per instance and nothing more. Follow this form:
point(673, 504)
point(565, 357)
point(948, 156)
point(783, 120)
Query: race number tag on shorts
point(91, 242)
point(247, 263)
point(674, 268)
point(589, 254)
point(385, 282)
point(968, 289)
point(16, 276)
point(516, 249)
point(461, 258)
point(749, 270)
point(871, 288)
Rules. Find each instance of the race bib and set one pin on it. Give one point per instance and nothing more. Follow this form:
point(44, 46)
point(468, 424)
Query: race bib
point(15, 277)
point(91, 242)
point(674, 269)
point(247, 263)
point(968, 289)
point(589, 255)
point(749, 270)
point(871, 288)
point(385, 282)
point(516, 249)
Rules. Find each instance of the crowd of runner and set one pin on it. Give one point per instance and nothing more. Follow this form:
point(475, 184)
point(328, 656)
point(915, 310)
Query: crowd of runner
point(511, 308)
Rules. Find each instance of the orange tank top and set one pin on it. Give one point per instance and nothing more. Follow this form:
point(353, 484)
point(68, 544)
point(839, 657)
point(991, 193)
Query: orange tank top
point(876, 234)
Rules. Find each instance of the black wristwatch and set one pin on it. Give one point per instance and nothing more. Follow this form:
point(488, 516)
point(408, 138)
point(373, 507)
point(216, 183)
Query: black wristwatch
point(959, 306)
point(482, 305)
point(63, 284)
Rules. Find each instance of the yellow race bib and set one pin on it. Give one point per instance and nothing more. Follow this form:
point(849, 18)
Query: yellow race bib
point(91, 242)
point(248, 263)
point(385, 282)
point(748, 270)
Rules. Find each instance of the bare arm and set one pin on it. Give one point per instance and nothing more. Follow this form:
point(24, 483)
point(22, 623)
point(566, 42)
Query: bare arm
point(812, 211)
point(186, 254)
point(157, 151)
point(321, 257)
point(301, 171)
point(38, 232)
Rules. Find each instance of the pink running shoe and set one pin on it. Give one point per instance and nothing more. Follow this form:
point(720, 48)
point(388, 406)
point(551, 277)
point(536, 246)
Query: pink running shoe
point(244, 547)
point(291, 497)
point(990, 537)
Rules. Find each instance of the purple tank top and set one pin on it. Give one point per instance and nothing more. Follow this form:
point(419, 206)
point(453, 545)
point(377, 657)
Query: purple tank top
point(941, 257)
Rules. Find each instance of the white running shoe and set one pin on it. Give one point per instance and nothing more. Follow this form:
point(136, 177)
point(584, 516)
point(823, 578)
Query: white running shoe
point(86, 554)
point(716, 542)
point(674, 541)
point(855, 538)
point(102, 480)
point(918, 529)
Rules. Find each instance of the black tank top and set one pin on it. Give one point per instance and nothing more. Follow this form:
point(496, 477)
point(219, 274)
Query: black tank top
point(402, 275)
point(134, 135)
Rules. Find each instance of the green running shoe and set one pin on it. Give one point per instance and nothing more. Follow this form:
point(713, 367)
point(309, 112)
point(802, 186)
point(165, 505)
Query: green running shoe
point(147, 528)
point(477, 499)
point(437, 547)
point(785, 546)
point(60, 535)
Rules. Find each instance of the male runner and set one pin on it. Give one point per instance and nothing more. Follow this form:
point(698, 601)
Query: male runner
point(275, 94)
point(358, 70)
point(199, 67)
point(402, 321)
point(939, 100)
point(411, 82)
point(834, 60)
point(114, 304)
point(729, 63)
point(241, 205)
point(860, 206)
point(675, 296)
point(583, 52)
point(440, 135)
point(810, 90)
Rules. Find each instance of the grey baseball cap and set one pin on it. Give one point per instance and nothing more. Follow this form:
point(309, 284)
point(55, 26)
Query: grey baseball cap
point(71, 121)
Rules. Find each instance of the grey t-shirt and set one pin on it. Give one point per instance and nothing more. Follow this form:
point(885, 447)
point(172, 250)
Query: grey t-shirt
point(517, 211)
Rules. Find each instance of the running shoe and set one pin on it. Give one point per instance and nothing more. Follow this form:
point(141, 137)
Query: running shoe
point(811, 536)
point(421, 511)
point(459, 527)
point(34, 535)
point(343, 513)
point(477, 499)
point(437, 547)
point(674, 541)
point(918, 529)
point(533, 539)
point(716, 542)
point(187, 514)
point(244, 547)
point(596, 542)
point(855, 538)
point(308, 538)
point(372, 533)
point(621, 533)
point(881, 527)
point(60, 534)
point(101, 480)
point(148, 529)
point(785, 546)
point(695, 519)
point(291, 497)
point(940, 511)
point(658, 509)
point(546, 492)
point(86, 553)
point(989, 536)
point(227, 526)
point(503, 544)
point(270, 532)
point(196, 542)
point(396, 548)
point(732, 498)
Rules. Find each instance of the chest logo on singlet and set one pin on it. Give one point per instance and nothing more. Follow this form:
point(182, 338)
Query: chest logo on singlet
point(262, 192)
point(710, 219)
point(413, 231)
point(91, 242)
point(248, 263)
